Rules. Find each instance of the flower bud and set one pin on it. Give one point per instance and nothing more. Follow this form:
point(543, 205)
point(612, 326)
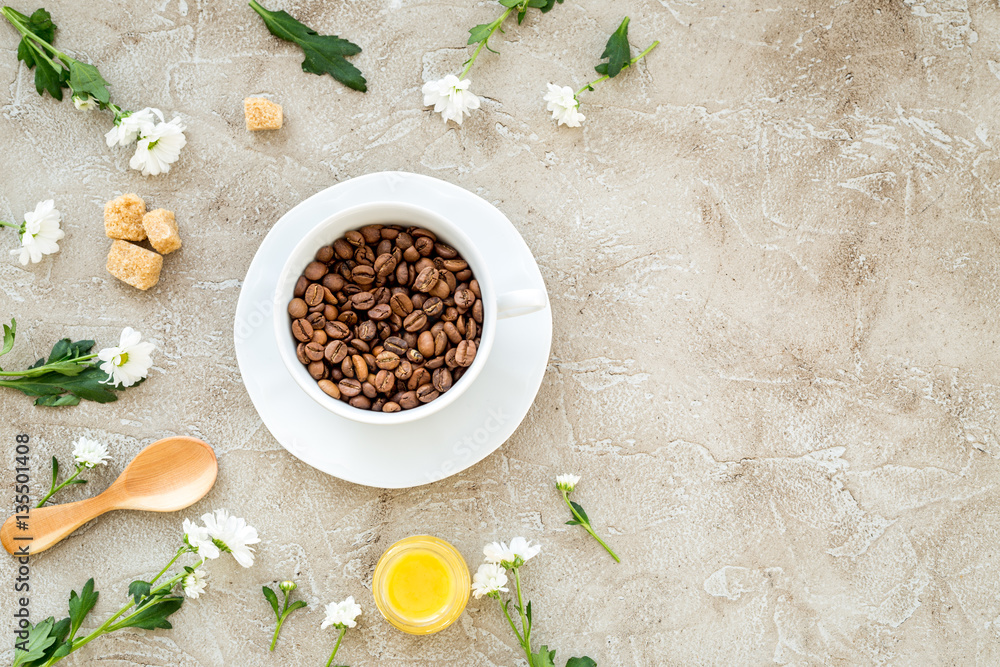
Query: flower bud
point(288, 586)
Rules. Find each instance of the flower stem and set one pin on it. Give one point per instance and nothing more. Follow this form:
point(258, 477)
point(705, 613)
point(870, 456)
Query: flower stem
point(525, 625)
point(590, 86)
point(11, 225)
point(336, 646)
point(586, 526)
point(55, 488)
point(520, 639)
point(41, 370)
point(167, 566)
point(493, 28)
point(281, 619)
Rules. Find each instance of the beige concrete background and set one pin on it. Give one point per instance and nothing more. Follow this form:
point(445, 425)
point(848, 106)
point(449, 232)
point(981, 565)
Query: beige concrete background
point(772, 259)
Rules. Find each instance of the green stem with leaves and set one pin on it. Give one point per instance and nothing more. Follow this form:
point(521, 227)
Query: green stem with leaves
point(336, 646)
point(493, 27)
point(55, 489)
point(64, 367)
point(633, 61)
point(584, 521)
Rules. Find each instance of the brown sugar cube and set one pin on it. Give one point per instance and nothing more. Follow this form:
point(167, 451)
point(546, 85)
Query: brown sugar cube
point(262, 114)
point(161, 228)
point(134, 265)
point(123, 218)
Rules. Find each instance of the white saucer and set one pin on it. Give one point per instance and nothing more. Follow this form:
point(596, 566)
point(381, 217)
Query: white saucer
point(437, 446)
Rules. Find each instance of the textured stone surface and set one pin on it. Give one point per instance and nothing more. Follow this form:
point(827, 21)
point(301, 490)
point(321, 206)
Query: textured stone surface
point(772, 258)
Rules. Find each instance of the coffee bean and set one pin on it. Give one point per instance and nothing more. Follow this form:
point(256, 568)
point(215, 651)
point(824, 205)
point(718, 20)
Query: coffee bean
point(336, 375)
point(440, 289)
point(372, 233)
point(387, 360)
point(300, 353)
point(401, 305)
point(415, 321)
point(427, 393)
point(404, 370)
point(355, 238)
point(368, 389)
point(300, 286)
point(333, 282)
point(367, 331)
point(471, 330)
point(337, 330)
point(363, 275)
point(415, 356)
point(316, 320)
point(362, 301)
point(426, 279)
point(297, 308)
point(313, 295)
point(436, 362)
point(455, 265)
point(335, 351)
point(360, 402)
point(449, 359)
point(433, 307)
point(315, 270)
point(442, 380)
point(440, 342)
point(380, 312)
point(360, 367)
point(360, 345)
point(329, 388)
point(451, 331)
point(349, 387)
point(317, 369)
point(385, 265)
point(424, 246)
point(391, 406)
point(342, 248)
point(420, 376)
point(314, 351)
point(385, 381)
point(477, 311)
point(464, 298)
point(409, 400)
point(325, 254)
point(348, 317)
point(302, 330)
point(425, 343)
point(396, 345)
point(465, 353)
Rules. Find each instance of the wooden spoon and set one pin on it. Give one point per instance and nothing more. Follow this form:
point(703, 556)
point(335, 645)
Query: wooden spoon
point(166, 476)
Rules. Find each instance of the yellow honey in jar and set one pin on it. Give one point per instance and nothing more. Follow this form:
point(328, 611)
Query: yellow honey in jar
point(421, 584)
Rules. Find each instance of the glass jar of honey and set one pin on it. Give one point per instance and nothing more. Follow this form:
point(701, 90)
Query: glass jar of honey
point(421, 584)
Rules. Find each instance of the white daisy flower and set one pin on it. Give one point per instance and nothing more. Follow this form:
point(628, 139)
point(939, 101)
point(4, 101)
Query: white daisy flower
point(450, 97)
point(129, 362)
point(489, 578)
point(194, 583)
point(197, 536)
point(90, 453)
point(128, 128)
point(159, 148)
point(567, 482)
point(40, 233)
point(519, 552)
point(564, 106)
point(341, 614)
point(232, 535)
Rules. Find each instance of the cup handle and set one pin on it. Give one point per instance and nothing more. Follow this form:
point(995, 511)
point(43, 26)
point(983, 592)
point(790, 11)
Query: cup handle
point(520, 302)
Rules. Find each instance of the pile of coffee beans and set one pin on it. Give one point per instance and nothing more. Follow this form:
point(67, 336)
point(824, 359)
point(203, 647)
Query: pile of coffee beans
point(387, 318)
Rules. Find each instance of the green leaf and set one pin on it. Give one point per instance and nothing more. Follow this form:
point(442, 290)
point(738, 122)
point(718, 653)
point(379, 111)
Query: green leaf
point(61, 350)
point(580, 511)
point(85, 80)
point(527, 613)
point(480, 33)
point(544, 658)
point(47, 78)
point(581, 662)
point(55, 471)
point(618, 53)
point(298, 604)
point(57, 401)
point(273, 599)
point(80, 605)
point(8, 336)
point(510, 3)
point(76, 481)
point(39, 638)
point(324, 54)
point(573, 522)
point(139, 590)
point(88, 385)
point(153, 615)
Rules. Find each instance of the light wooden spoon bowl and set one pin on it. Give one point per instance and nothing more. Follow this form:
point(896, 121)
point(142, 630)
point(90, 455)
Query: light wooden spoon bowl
point(166, 476)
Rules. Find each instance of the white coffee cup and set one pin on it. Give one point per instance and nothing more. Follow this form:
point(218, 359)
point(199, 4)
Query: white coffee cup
point(495, 307)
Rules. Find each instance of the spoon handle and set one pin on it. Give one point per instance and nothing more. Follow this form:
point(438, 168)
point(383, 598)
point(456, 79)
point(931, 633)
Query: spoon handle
point(46, 526)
